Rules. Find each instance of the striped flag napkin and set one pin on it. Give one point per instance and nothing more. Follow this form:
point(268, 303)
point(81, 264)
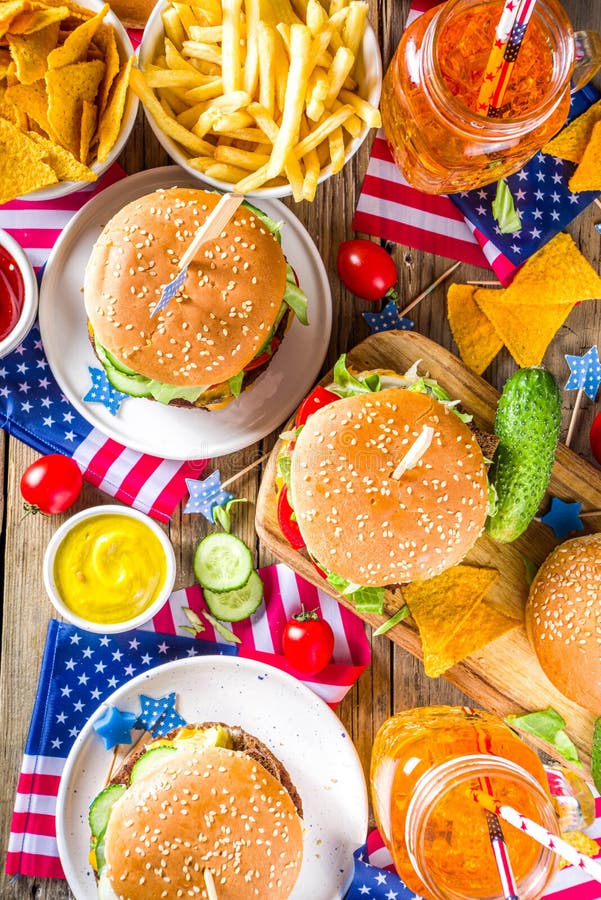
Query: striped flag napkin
point(32, 406)
point(80, 670)
point(462, 226)
point(375, 877)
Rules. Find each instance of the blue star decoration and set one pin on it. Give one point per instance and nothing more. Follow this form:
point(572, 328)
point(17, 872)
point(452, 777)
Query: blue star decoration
point(114, 726)
point(585, 372)
point(388, 320)
point(170, 291)
point(205, 495)
point(563, 517)
point(158, 714)
point(102, 391)
point(372, 882)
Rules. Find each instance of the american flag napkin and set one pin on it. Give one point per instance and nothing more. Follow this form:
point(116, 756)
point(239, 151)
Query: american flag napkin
point(80, 670)
point(32, 406)
point(461, 226)
point(375, 877)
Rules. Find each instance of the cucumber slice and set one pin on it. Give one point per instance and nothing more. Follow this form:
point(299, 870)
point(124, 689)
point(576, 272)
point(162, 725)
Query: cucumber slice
point(150, 760)
point(100, 808)
point(134, 385)
point(222, 562)
point(117, 364)
point(232, 606)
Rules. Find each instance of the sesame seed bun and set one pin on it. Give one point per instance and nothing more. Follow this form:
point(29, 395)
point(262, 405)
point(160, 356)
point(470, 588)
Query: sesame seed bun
point(363, 524)
point(563, 619)
point(223, 314)
point(204, 808)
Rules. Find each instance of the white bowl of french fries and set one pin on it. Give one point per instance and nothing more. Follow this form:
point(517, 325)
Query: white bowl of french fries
point(260, 96)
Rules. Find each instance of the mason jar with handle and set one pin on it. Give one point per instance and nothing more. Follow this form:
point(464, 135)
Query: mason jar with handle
point(426, 766)
point(441, 137)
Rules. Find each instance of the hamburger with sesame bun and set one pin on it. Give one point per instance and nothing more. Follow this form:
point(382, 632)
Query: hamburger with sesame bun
point(206, 804)
point(219, 331)
point(563, 619)
point(386, 482)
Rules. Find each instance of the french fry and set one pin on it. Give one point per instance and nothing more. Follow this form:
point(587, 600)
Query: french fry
point(301, 66)
point(189, 117)
point(205, 52)
point(264, 120)
point(174, 59)
point(224, 172)
point(267, 54)
point(208, 91)
point(317, 90)
point(253, 181)
point(342, 65)
point(336, 149)
point(205, 121)
point(249, 135)
point(174, 78)
point(243, 159)
point(230, 45)
point(201, 163)
point(209, 34)
point(324, 128)
point(186, 16)
point(174, 30)
point(281, 66)
point(231, 122)
point(354, 25)
point(370, 114)
point(312, 166)
point(337, 5)
point(250, 75)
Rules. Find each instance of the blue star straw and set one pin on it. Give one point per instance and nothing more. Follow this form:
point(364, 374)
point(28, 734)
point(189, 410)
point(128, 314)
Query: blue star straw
point(102, 391)
point(209, 230)
point(563, 517)
point(585, 377)
point(208, 493)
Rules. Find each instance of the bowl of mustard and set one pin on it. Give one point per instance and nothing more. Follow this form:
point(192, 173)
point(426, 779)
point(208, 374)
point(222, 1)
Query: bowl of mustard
point(109, 569)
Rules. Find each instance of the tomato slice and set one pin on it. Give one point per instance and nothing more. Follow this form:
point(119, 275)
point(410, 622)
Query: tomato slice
point(318, 398)
point(263, 357)
point(288, 525)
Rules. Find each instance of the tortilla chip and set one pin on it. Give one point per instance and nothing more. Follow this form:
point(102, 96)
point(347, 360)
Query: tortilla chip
point(557, 273)
point(27, 172)
point(109, 52)
point(581, 842)
point(30, 52)
point(34, 20)
point(571, 141)
point(67, 89)
point(89, 118)
point(526, 331)
point(442, 606)
point(476, 339)
point(32, 99)
point(76, 44)
point(109, 125)
point(587, 176)
point(8, 10)
point(486, 624)
point(66, 167)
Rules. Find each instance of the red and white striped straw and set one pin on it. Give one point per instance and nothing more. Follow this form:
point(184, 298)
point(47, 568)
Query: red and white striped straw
point(499, 848)
point(539, 834)
point(525, 10)
point(495, 58)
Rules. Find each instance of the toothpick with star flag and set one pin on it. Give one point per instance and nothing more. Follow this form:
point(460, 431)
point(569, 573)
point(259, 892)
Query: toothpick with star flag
point(209, 230)
point(209, 493)
point(585, 377)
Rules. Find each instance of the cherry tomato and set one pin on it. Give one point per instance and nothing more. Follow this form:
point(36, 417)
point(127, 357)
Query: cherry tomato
point(366, 269)
point(595, 437)
point(288, 525)
point(318, 397)
point(51, 484)
point(308, 642)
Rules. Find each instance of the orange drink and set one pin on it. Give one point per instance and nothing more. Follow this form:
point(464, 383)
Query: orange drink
point(440, 136)
point(426, 765)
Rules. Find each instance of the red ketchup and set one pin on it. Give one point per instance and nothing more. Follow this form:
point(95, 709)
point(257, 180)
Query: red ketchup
point(12, 293)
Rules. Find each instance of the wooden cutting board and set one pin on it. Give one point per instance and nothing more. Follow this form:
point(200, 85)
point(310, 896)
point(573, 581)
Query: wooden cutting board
point(505, 677)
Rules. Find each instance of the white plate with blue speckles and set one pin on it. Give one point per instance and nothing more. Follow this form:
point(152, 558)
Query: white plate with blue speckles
point(300, 729)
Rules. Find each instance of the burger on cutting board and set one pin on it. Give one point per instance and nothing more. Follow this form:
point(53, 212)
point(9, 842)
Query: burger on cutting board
point(220, 330)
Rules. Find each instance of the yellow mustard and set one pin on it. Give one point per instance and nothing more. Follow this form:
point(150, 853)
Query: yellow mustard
point(109, 568)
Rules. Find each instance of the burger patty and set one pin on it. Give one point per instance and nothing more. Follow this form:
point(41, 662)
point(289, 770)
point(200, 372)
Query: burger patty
point(242, 742)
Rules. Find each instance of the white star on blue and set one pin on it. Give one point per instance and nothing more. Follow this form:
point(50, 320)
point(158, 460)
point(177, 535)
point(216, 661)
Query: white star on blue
point(585, 372)
point(158, 714)
point(170, 291)
point(388, 320)
point(205, 495)
point(377, 884)
point(102, 391)
point(114, 727)
point(563, 517)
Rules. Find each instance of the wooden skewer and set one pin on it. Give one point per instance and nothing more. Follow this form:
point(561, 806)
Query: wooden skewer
point(429, 289)
point(572, 424)
point(589, 513)
point(113, 761)
point(246, 469)
point(496, 284)
point(210, 884)
point(213, 225)
point(598, 202)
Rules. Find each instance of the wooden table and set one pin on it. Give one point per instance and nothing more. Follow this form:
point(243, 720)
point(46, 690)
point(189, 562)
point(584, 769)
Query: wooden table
point(395, 680)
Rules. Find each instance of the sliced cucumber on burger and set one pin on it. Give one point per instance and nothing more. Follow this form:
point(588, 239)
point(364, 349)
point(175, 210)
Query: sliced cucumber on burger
point(152, 758)
point(222, 562)
point(233, 606)
point(100, 810)
point(134, 385)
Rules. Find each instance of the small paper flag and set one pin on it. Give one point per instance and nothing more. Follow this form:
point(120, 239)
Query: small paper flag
point(563, 517)
point(205, 495)
point(170, 291)
point(114, 727)
point(585, 372)
point(388, 320)
point(102, 391)
point(158, 714)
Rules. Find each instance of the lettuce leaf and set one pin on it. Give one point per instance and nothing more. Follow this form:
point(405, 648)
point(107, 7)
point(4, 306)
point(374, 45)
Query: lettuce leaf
point(504, 211)
point(347, 385)
point(366, 599)
point(295, 297)
point(548, 725)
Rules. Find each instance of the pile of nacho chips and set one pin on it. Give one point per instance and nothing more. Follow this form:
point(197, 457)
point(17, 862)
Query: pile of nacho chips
point(62, 93)
point(527, 315)
point(453, 617)
point(580, 142)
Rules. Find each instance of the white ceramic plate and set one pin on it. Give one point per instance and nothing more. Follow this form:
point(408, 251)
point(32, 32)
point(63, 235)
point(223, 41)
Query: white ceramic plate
point(168, 431)
point(288, 717)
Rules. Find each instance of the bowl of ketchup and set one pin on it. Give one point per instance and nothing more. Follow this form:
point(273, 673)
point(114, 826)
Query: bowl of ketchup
point(18, 294)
